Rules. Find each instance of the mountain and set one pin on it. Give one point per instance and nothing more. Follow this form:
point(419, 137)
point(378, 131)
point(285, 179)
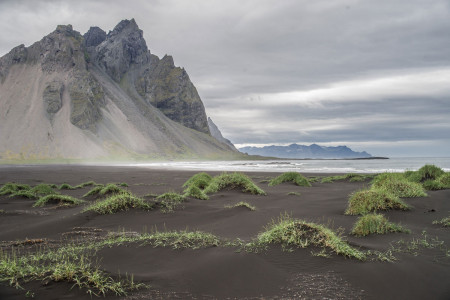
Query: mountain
point(215, 132)
point(302, 151)
point(100, 95)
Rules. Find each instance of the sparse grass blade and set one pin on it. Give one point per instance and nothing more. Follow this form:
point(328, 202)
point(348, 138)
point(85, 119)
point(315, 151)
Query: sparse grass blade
point(444, 222)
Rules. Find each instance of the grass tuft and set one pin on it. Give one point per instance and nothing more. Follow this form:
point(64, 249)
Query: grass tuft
point(58, 199)
point(195, 192)
point(444, 180)
point(11, 188)
point(169, 201)
point(200, 180)
point(294, 177)
point(101, 190)
point(433, 185)
point(233, 180)
point(34, 192)
point(195, 185)
point(372, 200)
point(425, 173)
point(290, 232)
point(242, 204)
point(375, 223)
point(84, 184)
point(66, 186)
point(121, 201)
point(398, 185)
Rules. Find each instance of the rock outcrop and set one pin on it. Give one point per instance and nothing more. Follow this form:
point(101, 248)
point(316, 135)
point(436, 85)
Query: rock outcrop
point(53, 97)
point(100, 95)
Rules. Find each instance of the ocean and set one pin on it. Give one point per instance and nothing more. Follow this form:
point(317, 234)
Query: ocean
point(307, 166)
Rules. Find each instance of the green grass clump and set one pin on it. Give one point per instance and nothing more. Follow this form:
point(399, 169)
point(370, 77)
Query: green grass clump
point(35, 192)
point(445, 222)
point(398, 185)
point(102, 190)
point(294, 177)
point(195, 185)
point(58, 199)
point(66, 186)
point(84, 184)
point(430, 172)
point(375, 223)
point(43, 189)
point(444, 180)
point(169, 201)
point(195, 192)
point(242, 204)
point(425, 173)
point(200, 180)
point(121, 201)
point(371, 200)
point(233, 180)
point(433, 185)
point(11, 188)
point(290, 233)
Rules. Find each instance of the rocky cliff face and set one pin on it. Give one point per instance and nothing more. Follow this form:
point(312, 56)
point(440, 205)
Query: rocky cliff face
point(124, 56)
point(99, 95)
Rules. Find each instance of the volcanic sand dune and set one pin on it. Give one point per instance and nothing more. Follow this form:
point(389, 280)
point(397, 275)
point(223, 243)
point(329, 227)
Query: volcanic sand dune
point(224, 272)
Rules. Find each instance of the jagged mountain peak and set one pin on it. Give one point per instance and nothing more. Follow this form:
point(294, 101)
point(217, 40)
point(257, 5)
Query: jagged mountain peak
point(94, 36)
point(125, 25)
point(99, 95)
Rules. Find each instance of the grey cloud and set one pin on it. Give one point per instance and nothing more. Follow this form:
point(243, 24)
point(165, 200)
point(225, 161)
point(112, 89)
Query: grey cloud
point(233, 49)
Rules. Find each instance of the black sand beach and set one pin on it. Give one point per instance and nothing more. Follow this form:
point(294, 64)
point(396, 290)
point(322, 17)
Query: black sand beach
point(225, 272)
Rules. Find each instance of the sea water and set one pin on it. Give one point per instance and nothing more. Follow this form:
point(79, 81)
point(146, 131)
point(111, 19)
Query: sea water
point(308, 166)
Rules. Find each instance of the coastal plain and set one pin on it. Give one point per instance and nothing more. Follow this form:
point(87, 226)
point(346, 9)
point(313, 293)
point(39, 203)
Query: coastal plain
point(418, 265)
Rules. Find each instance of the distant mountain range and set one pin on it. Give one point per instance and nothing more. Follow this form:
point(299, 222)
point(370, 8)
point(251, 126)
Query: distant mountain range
point(302, 151)
point(101, 95)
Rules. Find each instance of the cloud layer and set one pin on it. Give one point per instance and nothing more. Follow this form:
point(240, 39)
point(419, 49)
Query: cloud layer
point(374, 75)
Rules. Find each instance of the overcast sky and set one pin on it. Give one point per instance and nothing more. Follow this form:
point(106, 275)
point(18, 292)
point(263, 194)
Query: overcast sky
point(372, 75)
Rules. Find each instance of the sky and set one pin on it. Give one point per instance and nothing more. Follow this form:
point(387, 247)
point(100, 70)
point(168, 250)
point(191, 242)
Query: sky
point(372, 75)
